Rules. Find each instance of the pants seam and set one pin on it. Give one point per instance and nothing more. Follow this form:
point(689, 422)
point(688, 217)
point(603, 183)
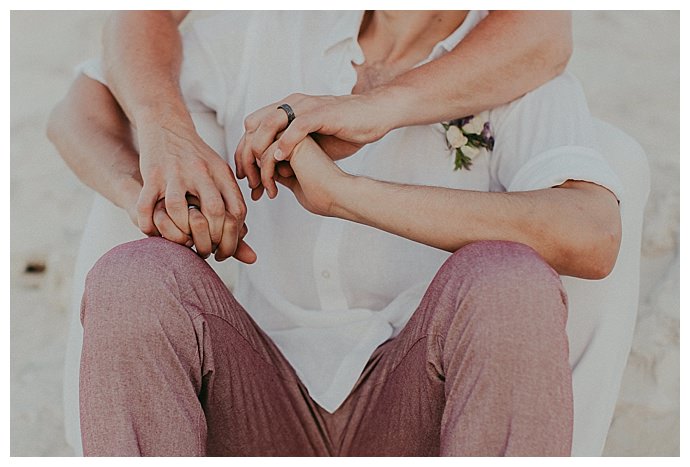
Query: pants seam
point(245, 339)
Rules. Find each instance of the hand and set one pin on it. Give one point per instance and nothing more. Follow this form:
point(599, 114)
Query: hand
point(174, 162)
point(341, 125)
point(317, 181)
point(231, 244)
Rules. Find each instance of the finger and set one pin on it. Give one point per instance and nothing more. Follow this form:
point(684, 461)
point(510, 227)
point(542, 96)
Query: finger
point(284, 169)
point(233, 200)
point(257, 193)
point(228, 243)
point(167, 227)
point(200, 233)
point(145, 205)
point(245, 253)
point(248, 162)
point(271, 125)
point(213, 208)
point(238, 159)
point(291, 137)
point(268, 171)
point(176, 205)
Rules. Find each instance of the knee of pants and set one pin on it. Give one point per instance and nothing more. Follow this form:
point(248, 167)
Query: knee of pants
point(130, 285)
point(500, 291)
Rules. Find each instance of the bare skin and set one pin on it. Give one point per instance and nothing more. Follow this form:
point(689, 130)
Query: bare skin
point(575, 227)
point(93, 135)
point(142, 58)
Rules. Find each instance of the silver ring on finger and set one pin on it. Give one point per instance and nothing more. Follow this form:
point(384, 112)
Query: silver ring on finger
point(194, 206)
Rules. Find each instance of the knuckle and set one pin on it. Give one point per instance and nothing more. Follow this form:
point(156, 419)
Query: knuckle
point(199, 166)
point(277, 119)
point(238, 212)
point(147, 228)
point(154, 173)
point(223, 170)
point(158, 216)
point(256, 149)
point(175, 201)
point(251, 122)
point(196, 219)
point(215, 207)
point(171, 235)
point(143, 209)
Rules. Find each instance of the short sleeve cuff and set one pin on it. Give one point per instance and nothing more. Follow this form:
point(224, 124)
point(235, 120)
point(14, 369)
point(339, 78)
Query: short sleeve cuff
point(92, 68)
point(558, 165)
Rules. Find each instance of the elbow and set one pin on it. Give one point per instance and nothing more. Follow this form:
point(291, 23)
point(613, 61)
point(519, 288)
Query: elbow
point(562, 54)
point(55, 124)
point(597, 255)
point(607, 255)
point(557, 44)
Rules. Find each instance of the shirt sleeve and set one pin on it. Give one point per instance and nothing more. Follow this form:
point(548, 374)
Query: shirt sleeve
point(201, 76)
point(214, 53)
point(92, 68)
point(546, 138)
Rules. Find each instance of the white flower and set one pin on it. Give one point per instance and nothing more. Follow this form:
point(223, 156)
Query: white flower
point(474, 126)
point(455, 137)
point(471, 151)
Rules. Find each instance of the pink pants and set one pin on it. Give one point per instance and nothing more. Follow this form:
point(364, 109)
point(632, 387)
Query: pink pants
point(173, 365)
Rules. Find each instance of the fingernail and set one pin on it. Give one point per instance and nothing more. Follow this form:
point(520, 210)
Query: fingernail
point(278, 155)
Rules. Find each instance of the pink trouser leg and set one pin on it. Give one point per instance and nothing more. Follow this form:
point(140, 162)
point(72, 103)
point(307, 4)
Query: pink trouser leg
point(481, 368)
point(173, 365)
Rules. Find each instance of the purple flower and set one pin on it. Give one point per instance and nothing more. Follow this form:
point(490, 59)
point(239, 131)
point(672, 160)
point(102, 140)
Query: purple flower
point(487, 137)
point(460, 122)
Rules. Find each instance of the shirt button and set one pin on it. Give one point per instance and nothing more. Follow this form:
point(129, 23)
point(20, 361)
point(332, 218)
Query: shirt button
point(325, 274)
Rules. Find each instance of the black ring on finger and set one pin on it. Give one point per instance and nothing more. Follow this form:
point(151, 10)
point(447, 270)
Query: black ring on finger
point(290, 113)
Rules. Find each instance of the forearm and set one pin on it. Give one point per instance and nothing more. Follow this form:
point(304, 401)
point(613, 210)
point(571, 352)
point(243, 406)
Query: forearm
point(506, 55)
point(142, 55)
point(93, 136)
point(575, 228)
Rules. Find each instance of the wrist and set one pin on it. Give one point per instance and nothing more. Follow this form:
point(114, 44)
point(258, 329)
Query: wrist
point(383, 102)
point(396, 106)
point(159, 126)
point(346, 191)
point(126, 191)
point(162, 113)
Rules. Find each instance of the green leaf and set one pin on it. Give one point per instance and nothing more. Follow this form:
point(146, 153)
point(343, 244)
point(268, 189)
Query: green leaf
point(461, 160)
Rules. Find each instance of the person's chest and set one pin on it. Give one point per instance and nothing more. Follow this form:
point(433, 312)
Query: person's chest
point(318, 262)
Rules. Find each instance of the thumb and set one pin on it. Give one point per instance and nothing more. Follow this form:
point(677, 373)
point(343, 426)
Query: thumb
point(291, 137)
point(290, 182)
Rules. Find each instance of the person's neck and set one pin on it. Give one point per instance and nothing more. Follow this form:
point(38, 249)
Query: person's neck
point(393, 36)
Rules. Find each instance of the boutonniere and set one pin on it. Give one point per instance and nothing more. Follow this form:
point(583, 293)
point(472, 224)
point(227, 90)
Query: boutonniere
point(468, 136)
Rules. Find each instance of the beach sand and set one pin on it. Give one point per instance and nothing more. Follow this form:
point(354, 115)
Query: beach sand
point(629, 66)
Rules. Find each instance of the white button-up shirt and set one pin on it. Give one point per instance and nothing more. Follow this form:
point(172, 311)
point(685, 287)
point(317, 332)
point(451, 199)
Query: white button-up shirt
point(329, 291)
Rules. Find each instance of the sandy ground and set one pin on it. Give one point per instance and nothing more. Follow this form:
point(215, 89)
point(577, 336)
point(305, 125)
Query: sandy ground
point(629, 65)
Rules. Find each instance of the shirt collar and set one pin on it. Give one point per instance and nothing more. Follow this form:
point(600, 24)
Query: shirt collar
point(446, 45)
point(347, 25)
point(346, 28)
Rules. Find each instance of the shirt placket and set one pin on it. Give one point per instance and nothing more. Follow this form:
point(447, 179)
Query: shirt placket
point(327, 247)
point(326, 266)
